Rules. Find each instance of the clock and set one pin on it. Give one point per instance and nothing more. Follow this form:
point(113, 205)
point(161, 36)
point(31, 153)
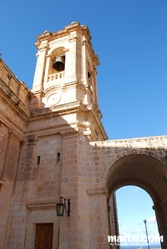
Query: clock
point(53, 99)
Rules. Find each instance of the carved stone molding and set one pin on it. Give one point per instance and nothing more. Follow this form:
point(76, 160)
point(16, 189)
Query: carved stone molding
point(92, 192)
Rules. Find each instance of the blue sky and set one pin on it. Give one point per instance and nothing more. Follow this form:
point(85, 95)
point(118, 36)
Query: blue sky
point(134, 206)
point(130, 38)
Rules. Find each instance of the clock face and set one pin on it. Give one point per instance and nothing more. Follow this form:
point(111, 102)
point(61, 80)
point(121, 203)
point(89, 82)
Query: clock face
point(53, 99)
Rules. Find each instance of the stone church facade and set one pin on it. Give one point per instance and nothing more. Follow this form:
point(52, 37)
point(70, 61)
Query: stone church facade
point(53, 144)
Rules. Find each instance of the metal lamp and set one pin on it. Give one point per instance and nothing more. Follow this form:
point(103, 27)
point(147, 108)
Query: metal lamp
point(63, 205)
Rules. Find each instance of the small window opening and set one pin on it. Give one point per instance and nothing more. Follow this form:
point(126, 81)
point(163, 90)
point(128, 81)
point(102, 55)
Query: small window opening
point(58, 157)
point(38, 160)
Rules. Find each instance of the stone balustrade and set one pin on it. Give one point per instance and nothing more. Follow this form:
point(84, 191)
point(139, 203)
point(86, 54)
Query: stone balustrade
point(56, 76)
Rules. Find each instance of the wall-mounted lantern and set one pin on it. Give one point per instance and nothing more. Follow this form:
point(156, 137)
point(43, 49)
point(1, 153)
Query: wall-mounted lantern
point(63, 205)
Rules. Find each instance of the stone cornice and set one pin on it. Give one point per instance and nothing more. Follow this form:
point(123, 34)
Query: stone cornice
point(155, 142)
point(17, 134)
point(93, 192)
point(9, 71)
point(2, 181)
point(11, 74)
point(69, 108)
point(45, 206)
point(17, 104)
point(47, 35)
point(63, 129)
point(74, 26)
point(58, 110)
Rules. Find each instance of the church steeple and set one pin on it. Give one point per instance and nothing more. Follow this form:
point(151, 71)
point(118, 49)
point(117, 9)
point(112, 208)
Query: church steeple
point(66, 66)
point(66, 69)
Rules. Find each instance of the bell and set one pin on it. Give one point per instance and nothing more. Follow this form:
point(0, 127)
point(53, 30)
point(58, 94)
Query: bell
point(59, 63)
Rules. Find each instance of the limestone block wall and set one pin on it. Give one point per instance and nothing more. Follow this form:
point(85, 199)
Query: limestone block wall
point(3, 145)
point(64, 169)
point(9, 151)
point(46, 170)
point(88, 225)
point(19, 212)
point(13, 120)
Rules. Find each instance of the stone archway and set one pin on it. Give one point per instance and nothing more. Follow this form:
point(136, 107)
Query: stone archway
point(148, 173)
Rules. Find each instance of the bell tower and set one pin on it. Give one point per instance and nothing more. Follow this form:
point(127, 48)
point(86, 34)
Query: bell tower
point(66, 74)
point(50, 149)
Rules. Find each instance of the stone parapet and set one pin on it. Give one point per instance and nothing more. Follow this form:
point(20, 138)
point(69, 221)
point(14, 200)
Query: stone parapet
point(19, 88)
point(155, 142)
point(15, 90)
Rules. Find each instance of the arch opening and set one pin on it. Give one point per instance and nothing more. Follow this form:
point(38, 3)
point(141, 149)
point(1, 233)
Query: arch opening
point(146, 173)
point(134, 205)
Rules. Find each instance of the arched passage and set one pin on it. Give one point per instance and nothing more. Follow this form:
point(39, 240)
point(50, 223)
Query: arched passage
point(147, 173)
point(134, 205)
